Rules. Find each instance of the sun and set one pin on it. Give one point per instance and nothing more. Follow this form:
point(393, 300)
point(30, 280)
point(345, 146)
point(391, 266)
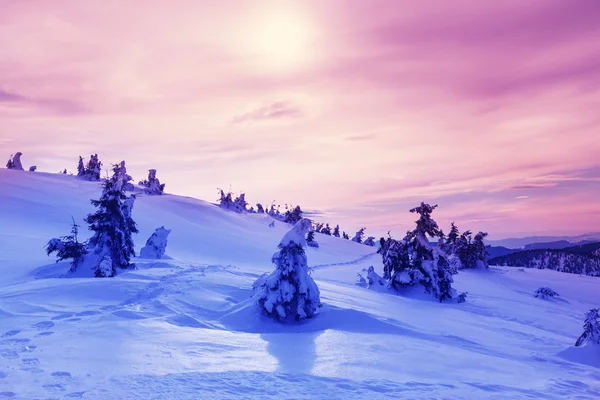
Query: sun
point(281, 41)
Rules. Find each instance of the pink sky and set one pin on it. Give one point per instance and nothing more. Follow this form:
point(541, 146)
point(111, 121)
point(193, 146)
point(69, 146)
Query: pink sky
point(357, 109)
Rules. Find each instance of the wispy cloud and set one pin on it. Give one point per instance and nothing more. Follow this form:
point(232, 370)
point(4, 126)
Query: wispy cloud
point(276, 110)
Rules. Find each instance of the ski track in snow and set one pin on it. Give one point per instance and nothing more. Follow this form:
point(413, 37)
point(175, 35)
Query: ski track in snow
point(184, 327)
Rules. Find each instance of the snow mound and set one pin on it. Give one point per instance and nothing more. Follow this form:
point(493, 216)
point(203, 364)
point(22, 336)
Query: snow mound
point(588, 354)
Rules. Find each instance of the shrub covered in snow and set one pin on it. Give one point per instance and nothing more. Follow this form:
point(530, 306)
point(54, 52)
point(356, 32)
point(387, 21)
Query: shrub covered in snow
point(293, 215)
point(370, 241)
point(113, 227)
point(289, 291)
point(14, 162)
point(591, 328)
point(156, 244)
point(68, 248)
point(545, 293)
point(372, 278)
point(413, 260)
point(152, 185)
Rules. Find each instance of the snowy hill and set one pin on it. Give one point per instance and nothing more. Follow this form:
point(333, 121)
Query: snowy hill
point(183, 327)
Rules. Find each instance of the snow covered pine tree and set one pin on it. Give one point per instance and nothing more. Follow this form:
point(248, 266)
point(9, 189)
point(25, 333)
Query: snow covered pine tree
point(113, 227)
point(310, 239)
point(14, 162)
point(294, 215)
point(414, 261)
point(591, 328)
point(336, 231)
point(156, 244)
point(289, 291)
point(358, 237)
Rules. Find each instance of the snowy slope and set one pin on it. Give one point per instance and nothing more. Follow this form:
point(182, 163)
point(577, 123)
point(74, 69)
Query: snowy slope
point(184, 327)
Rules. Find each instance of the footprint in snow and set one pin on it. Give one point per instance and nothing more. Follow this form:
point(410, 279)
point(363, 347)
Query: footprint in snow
point(75, 395)
point(87, 313)
point(43, 325)
point(11, 333)
point(9, 354)
point(62, 316)
point(73, 319)
point(42, 334)
point(61, 374)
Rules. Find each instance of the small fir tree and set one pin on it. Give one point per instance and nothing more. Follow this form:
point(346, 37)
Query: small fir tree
point(113, 227)
point(80, 168)
point(345, 236)
point(336, 231)
point(358, 237)
point(68, 247)
point(289, 291)
point(326, 230)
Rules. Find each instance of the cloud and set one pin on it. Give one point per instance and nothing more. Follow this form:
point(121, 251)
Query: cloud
point(56, 106)
point(275, 111)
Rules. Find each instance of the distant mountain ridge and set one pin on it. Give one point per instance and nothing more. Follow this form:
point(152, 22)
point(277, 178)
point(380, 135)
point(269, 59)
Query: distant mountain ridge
point(521, 243)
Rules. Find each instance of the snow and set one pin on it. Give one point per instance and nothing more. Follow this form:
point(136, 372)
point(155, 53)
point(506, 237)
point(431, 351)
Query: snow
point(185, 327)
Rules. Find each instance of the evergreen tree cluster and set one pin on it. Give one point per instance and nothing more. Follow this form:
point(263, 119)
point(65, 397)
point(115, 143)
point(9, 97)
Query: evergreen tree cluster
point(90, 171)
point(152, 185)
point(414, 261)
point(562, 260)
point(464, 250)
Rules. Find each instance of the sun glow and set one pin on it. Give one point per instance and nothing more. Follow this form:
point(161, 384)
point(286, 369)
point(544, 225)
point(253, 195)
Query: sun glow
point(282, 41)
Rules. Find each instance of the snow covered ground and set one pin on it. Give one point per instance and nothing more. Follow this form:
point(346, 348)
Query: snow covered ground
point(184, 327)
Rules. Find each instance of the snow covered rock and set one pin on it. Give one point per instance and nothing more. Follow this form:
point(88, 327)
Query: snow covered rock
point(156, 244)
point(289, 292)
point(545, 293)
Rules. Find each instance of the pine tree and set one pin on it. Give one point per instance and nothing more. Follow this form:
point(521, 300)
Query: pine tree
point(259, 208)
point(345, 236)
point(80, 167)
point(358, 237)
point(113, 227)
point(336, 231)
point(326, 230)
point(289, 291)
point(68, 247)
point(9, 164)
point(452, 238)
point(591, 328)
point(480, 250)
